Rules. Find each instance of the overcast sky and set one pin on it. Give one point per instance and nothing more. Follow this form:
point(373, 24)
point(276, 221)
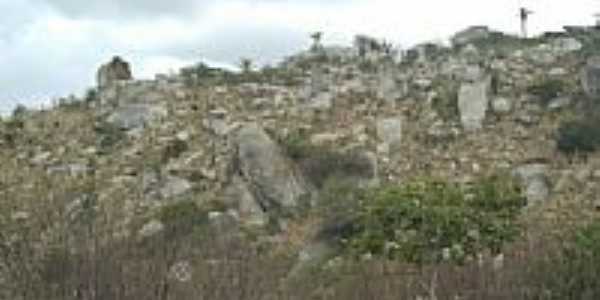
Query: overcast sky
point(51, 48)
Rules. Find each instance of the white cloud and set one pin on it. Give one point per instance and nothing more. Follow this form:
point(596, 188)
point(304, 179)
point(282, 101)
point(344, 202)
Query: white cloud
point(49, 49)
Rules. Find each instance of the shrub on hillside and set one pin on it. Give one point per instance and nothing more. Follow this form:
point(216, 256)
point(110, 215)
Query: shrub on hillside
point(108, 136)
point(548, 89)
point(320, 163)
point(579, 136)
point(573, 271)
point(428, 221)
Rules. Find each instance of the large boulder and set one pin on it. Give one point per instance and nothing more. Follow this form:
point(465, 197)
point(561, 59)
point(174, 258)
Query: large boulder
point(272, 179)
point(590, 77)
point(115, 70)
point(473, 103)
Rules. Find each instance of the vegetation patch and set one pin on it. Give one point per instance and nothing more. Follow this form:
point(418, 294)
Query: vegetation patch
point(445, 103)
point(580, 136)
point(108, 137)
point(320, 163)
point(427, 221)
point(548, 89)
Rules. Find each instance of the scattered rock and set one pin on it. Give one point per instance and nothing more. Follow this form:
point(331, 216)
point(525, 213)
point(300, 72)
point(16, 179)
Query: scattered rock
point(502, 105)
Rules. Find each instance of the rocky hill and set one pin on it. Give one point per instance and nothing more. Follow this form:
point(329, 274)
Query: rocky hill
point(127, 174)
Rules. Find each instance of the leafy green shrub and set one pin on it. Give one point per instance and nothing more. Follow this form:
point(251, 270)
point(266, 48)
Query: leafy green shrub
point(419, 221)
point(548, 89)
point(579, 136)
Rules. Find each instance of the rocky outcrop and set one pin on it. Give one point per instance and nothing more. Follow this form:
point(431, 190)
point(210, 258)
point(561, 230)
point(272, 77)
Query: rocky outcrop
point(272, 179)
point(116, 70)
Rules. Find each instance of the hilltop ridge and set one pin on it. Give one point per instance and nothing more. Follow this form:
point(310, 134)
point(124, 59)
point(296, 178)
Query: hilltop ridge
point(253, 153)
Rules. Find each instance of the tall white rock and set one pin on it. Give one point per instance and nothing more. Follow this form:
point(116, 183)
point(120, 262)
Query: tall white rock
point(473, 104)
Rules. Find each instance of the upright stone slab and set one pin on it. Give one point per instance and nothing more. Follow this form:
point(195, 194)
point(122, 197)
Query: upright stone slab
point(473, 104)
point(590, 77)
point(388, 89)
point(534, 179)
point(389, 132)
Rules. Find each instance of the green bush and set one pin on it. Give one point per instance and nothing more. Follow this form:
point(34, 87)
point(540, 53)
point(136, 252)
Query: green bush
point(579, 136)
point(419, 221)
point(548, 89)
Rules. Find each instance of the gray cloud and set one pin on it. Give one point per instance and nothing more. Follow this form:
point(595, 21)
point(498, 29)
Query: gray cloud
point(114, 9)
point(117, 9)
point(231, 42)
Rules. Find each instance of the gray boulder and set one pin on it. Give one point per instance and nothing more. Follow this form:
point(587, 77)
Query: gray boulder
point(135, 116)
point(271, 178)
point(473, 104)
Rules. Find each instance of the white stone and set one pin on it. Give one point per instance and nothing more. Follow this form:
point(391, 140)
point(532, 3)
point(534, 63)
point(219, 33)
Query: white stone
point(473, 103)
point(501, 105)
